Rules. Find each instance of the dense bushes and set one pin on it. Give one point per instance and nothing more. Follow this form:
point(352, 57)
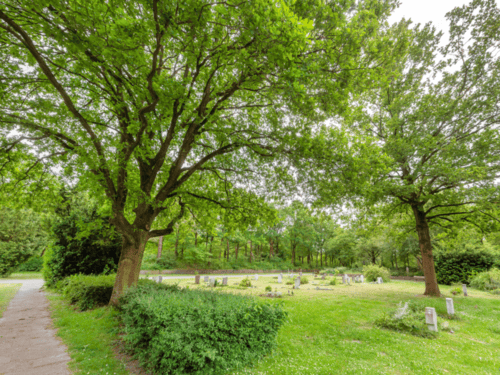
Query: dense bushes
point(87, 292)
point(372, 272)
point(21, 236)
point(34, 264)
point(197, 332)
point(488, 280)
point(85, 244)
point(459, 267)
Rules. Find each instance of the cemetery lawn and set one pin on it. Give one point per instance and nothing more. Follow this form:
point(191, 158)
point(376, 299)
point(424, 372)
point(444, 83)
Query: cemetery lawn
point(328, 332)
point(24, 276)
point(7, 292)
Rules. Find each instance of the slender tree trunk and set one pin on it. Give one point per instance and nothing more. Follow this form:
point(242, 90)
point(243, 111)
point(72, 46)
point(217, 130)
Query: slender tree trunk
point(176, 243)
point(321, 260)
point(317, 255)
point(424, 239)
point(196, 239)
point(396, 261)
point(129, 265)
point(293, 255)
point(271, 251)
point(251, 253)
point(210, 250)
point(160, 247)
point(227, 249)
point(246, 248)
point(236, 251)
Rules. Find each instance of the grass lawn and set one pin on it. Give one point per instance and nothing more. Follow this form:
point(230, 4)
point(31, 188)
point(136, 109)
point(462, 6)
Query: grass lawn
point(7, 292)
point(24, 276)
point(332, 332)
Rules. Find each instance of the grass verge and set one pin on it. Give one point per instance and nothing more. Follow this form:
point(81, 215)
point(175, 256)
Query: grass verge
point(24, 276)
point(90, 337)
point(7, 292)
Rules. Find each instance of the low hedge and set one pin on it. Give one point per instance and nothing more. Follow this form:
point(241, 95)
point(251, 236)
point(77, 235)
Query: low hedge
point(87, 291)
point(195, 331)
point(454, 268)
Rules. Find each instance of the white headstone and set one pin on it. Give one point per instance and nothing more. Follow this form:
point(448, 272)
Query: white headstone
point(256, 277)
point(280, 278)
point(205, 279)
point(362, 278)
point(297, 283)
point(344, 278)
point(224, 280)
point(160, 279)
point(431, 318)
point(300, 273)
point(348, 280)
point(449, 306)
point(380, 280)
point(464, 288)
point(212, 281)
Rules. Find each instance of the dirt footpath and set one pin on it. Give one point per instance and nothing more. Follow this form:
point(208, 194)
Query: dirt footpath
point(28, 344)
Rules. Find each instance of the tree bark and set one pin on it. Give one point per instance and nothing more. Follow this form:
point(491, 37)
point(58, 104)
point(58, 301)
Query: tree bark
point(227, 249)
point(177, 243)
point(251, 253)
point(236, 251)
point(271, 252)
point(129, 265)
point(160, 247)
point(424, 239)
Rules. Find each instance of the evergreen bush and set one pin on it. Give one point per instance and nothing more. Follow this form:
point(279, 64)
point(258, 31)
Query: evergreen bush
point(460, 267)
point(373, 271)
point(197, 332)
point(34, 264)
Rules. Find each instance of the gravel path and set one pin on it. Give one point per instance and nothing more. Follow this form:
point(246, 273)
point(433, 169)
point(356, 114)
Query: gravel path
point(28, 344)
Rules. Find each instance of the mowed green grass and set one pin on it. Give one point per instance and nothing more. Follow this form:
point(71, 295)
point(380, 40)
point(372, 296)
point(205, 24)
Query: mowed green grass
point(328, 332)
point(7, 292)
point(24, 276)
point(332, 332)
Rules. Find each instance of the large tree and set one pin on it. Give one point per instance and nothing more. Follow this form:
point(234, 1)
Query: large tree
point(158, 104)
point(436, 124)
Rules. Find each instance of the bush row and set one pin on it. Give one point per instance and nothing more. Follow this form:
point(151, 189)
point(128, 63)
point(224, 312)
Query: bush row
point(460, 267)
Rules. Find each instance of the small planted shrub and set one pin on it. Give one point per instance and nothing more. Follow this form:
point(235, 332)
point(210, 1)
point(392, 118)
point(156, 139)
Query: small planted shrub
point(372, 271)
point(269, 288)
point(245, 283)
point(304, 280)
point(333, 281)
point(289, 282)
point(408, 318)
point(196, 331)
point(460, 267)
point(488, 280)
point(456, 290)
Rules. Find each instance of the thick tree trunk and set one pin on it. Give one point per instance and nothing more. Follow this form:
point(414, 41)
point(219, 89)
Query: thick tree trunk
point(424, 239)
point(160, 247)
point(129, 265)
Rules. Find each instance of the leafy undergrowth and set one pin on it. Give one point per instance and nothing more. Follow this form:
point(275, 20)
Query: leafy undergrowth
point(7, 292)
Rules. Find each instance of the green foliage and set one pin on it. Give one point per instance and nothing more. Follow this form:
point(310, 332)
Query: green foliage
point(487, 280)
point(245, 283)
point(409, 318)
point(459, 267)
point(333, 281)
point(87, 291)
point(304, 280)
point(21, 236)
point(34, 264)
point(187, 331)
point(269, 288)
point(372, 271)
point(85, 243)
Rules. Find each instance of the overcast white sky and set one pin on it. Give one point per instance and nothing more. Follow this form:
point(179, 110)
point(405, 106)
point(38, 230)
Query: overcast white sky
point(423, 11)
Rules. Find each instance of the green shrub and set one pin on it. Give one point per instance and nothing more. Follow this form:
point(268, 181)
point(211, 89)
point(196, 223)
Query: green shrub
point(372, 271)
point(304, 280)
point(333, 281)
point(85, 244)
point(488, 280)
point(34, 264)
point(460, 267)
point(87, 291)
point(269, 288)
point(340, 270)
point(245, 283)
point(196, 331)
point(409, 318)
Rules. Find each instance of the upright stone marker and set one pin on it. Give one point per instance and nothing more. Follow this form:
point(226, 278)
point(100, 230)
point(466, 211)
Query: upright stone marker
point(300, 273)
point(256, 277)
point(344, 278)
point(224, 280)
point(205, 279)
point(297, 283)
point(197, 279)
point(362, 278)
point(449, 306)
point(407, 271)
point(280, 278)
point(160, 279)
point(380, 280)
point(431, 319)
point(323, 276)
point(464, 288)
point(212, 281)
point(348, 280)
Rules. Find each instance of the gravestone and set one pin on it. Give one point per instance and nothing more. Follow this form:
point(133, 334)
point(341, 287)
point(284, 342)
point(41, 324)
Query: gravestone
point(160, 279)
point(224, 280)
point(344, 278)
point(380, 280)
point(300, 273)
point(211, 281)
point(297, 283)
point(197, 279)
point(407, 271)
point(280, 278)
point(362, 277)
point(449, 306)
point(256, 277)
point(205, 279)
point(323, 276)
point(431, 318)
point(348, 280)
point(464, 288)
